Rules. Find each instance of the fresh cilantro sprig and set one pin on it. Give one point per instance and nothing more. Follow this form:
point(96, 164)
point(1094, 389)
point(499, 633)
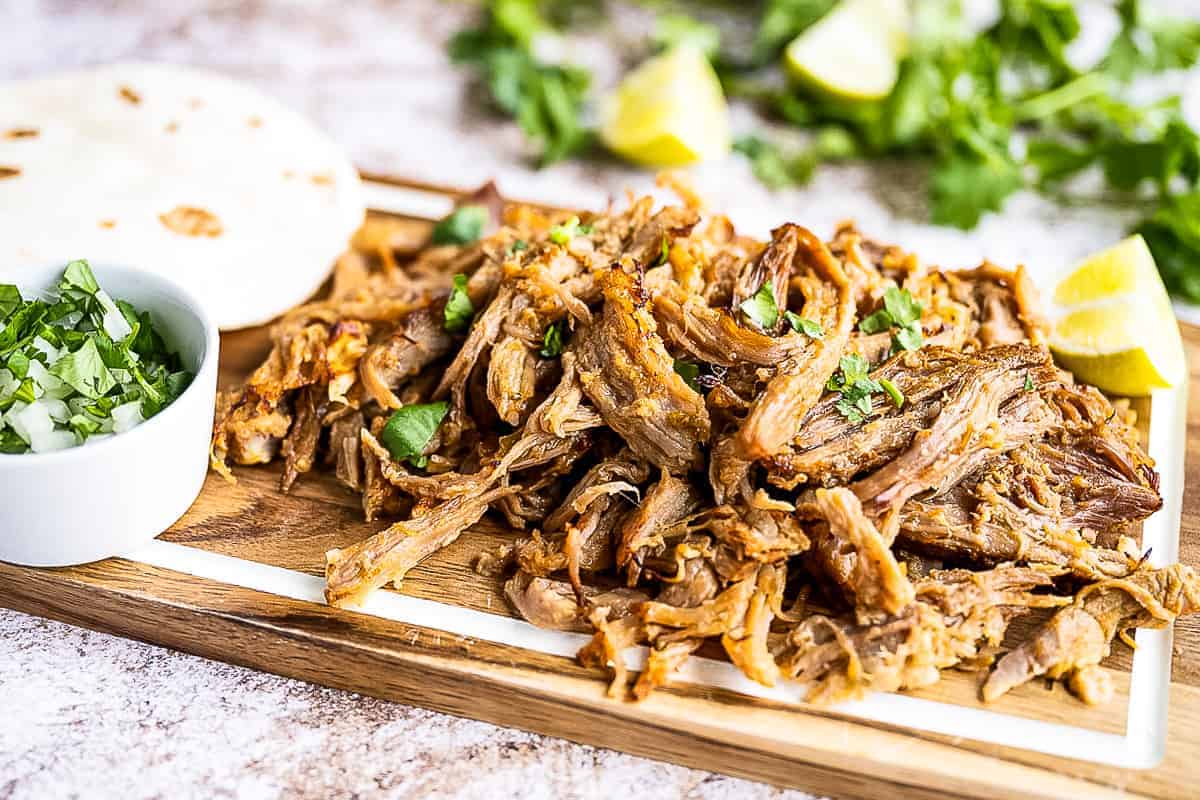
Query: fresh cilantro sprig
point(809, 328)
point(409, 430)
point(459, 310)
point(552, 340)
point(463, 226)
point(761, 307)
point(853, 381)
point(901, 314)
point(546, 100)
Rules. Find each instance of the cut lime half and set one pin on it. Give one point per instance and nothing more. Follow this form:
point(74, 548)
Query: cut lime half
point(852, 52)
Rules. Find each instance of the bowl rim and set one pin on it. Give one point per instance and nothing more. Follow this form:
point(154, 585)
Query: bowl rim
point(132, 437)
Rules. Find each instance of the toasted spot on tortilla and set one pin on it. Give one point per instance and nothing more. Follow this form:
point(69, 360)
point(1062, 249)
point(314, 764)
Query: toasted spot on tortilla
point(196, 102)
point(130, 96)
point(21, 133)
point(322, 179)
point(191, 221)
point(172, 126)
point(255, 121)
point(108, 223)
point(9, 172)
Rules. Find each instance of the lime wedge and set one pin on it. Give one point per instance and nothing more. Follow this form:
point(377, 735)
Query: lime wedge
point(852, 52)
point(1114, 325)
point(668, 112)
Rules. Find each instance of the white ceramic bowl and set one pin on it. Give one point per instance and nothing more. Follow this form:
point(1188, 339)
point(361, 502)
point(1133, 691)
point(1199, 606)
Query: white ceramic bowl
point(87, 503)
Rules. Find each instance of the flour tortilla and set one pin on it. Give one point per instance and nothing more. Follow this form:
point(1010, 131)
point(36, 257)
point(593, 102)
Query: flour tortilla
point(176, 171)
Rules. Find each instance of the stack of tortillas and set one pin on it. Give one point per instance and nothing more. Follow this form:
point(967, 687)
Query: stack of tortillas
point(179, 172)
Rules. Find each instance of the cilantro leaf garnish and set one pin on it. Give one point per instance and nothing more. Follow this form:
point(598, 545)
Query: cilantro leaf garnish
point(892, 391)
point(84, 371)
point(552, 340)
point(761, 307)
point(690, 372)
point(901, 313)
point(853, 382)
point(463, 226)
point(664, 254)
point(518, 246)
point(459, 310)
point(806, 326)
point(1029, 387)
point(409, 430)
point(562, 234)
point(10, 299)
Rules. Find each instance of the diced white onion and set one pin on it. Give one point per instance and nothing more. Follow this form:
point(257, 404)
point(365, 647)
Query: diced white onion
point(57, 409)
point(30, 420)
point(47, 384)
point(127, 417)
point(51, 440)
point(52, 353)
point(8, 384)
point(114, 322)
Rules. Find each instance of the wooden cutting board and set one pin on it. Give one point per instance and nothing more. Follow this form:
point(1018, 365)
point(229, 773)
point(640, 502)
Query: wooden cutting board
point(229, 582)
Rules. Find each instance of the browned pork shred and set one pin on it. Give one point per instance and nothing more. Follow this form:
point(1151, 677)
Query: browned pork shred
point(683, 473)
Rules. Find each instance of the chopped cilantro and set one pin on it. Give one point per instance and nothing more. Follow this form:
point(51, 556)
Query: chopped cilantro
point(518, 246)
point(1029, 387)
point(562, 234)
point(853, 382)
point(409, 430)
point(892, 392)
point(552, 341)
point(10, 299)
point(761, 308)
point(806, 326)
point(463, 226)
point(690, 372)
point(84, 352)
point(665, 254)
point(459, 311)
point(900, 312)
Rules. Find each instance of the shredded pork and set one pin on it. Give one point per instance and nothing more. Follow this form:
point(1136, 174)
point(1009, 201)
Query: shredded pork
point(687, 466)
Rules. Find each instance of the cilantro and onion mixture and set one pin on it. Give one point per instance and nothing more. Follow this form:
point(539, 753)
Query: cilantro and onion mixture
point(78, 366)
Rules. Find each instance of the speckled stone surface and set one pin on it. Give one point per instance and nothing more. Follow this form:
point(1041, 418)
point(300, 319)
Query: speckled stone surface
point(85, 714)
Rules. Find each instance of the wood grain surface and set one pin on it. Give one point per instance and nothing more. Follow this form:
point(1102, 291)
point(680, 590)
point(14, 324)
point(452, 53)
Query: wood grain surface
point(809, 748)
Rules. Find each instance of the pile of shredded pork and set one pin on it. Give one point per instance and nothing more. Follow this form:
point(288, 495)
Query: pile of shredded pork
point(691, 470)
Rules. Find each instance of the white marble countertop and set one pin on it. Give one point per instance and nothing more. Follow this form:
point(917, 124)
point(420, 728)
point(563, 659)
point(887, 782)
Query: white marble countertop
point(90, 714)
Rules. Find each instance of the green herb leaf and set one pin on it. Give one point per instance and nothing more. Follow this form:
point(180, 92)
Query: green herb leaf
point(902, 306)
point(892, 392)
point(518, 246)
point(552, 341)
point(1029, 387)
point(84, 371)
point(463, 226)
point(562, 234)
point(11, 443)
point(26, 392)
point(18, 364)
point(10, 299)
point(83, 426)
point(907, 338)
point(78, 275)
point(878, 322)
point(963, 189)
point(774, 168)
point(761, 308)
point(680, 30)
point(410, 429)
point(459, 311)
point(664, 255)
point(806, 326)
point(690, 372)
